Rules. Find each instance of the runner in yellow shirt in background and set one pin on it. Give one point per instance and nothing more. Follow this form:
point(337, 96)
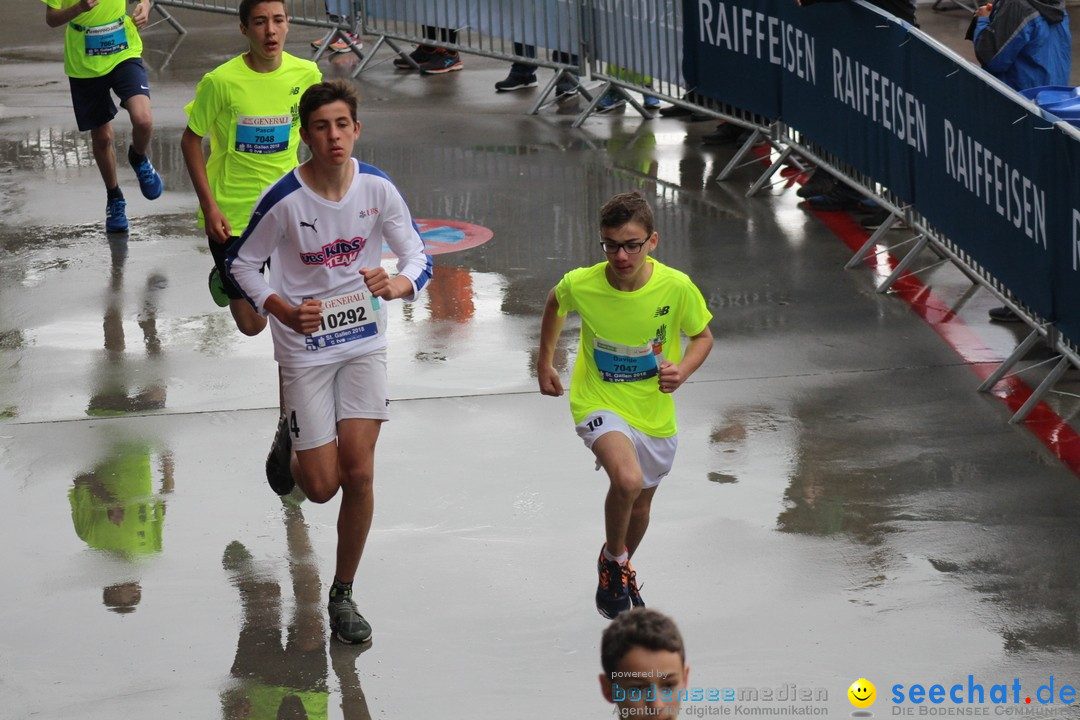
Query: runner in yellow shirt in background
point(103, 55)
point(249, 106)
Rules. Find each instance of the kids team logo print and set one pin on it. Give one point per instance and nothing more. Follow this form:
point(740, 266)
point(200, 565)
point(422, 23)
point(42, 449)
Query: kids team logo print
point(340, 253)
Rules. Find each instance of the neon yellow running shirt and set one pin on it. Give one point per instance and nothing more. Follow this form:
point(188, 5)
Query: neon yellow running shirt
point(125, 516)
point(98, 40)
point(253, 121)
point(619, 332)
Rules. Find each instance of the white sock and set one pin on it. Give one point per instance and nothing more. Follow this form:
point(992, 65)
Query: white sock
point(621, 559)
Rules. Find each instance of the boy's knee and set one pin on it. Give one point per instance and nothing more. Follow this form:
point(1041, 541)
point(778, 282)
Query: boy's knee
point(102, 137)
point(320, 492)
point(627, 483)
point(358, 480)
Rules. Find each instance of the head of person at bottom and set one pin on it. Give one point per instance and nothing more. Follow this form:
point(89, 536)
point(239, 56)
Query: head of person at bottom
point(627, 236)
point(644, 662)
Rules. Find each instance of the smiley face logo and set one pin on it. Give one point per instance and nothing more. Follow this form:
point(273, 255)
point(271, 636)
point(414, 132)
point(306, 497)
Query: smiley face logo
point(862, 693)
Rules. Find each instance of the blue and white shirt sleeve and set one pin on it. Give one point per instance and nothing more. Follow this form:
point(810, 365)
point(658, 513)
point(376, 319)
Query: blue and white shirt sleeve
point(401, 234)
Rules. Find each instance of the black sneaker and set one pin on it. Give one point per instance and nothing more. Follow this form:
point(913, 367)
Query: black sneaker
point(346, 622)
point(840, 197)
point(674, 111)
point(877, 218)
point(724, 135)
point(515, 81)
point(1003, 314)
point(612, 594)
point(441, 62)
point(420, 55)
point(565, 88)
point(818, 183)
point(278, 470)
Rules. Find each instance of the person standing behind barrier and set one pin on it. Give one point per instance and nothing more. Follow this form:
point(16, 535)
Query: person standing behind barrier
point(523, 75)
point(327, 299)
point(103, 54)
point(630, 360)
point(433, 60)
point(822, 190)
point(341, 11)
point(1025, 44)
point(249, 108)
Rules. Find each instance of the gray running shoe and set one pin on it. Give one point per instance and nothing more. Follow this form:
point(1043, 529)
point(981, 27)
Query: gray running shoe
point(346, 622)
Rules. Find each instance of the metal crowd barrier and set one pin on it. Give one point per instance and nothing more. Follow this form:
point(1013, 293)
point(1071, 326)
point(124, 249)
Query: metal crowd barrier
point(339, 17)
point(544, 33)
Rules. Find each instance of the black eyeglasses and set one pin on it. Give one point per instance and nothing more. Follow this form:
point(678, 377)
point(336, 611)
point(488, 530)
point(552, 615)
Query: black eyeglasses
point(632, 248)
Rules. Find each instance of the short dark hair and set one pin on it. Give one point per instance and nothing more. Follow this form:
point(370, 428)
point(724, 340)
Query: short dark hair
point(325, 93)
point(638, 627)
point(627, 207)
point(247, 5)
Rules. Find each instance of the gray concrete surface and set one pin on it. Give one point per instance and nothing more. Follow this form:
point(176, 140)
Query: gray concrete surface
point(844, 504)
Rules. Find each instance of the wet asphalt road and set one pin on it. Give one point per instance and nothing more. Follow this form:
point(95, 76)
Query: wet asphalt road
point(844, 503)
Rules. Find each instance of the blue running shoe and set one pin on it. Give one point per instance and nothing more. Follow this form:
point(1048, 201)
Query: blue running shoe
point(149, 180)
point(116, 215)
point(650, 103)
point(611, 101)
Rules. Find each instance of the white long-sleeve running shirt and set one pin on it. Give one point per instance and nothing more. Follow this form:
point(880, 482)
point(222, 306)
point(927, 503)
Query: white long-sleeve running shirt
point(316, 248)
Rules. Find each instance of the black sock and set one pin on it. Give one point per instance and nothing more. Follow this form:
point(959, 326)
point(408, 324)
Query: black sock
point(114, 193)
point(340, 589)
point(134, 158)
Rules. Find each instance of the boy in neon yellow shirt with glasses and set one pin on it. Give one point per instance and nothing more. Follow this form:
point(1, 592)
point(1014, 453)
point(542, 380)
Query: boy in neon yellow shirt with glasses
point(103, 55)
point(630, 360)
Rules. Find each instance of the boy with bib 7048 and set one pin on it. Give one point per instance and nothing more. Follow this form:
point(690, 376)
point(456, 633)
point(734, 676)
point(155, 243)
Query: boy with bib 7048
point(630, 360)
point(248, 107)
point(103, 55)
point(323, 226)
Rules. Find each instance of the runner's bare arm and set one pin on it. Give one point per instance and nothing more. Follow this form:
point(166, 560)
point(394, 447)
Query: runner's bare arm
point(303, 318)
point(142, 14)
point(55, 17)
point(672, 376)
point(550, 328)
point(217, 226)
point(381, 285)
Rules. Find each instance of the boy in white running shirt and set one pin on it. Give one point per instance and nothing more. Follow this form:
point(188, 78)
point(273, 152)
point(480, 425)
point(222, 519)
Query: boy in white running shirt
point(323, 226)
point(630, 360)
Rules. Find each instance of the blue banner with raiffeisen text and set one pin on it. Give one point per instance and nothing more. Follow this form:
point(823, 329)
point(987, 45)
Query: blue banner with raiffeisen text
point(979, 162)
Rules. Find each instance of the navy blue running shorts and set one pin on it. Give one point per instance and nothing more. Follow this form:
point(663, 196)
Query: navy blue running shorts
point(92, 100)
